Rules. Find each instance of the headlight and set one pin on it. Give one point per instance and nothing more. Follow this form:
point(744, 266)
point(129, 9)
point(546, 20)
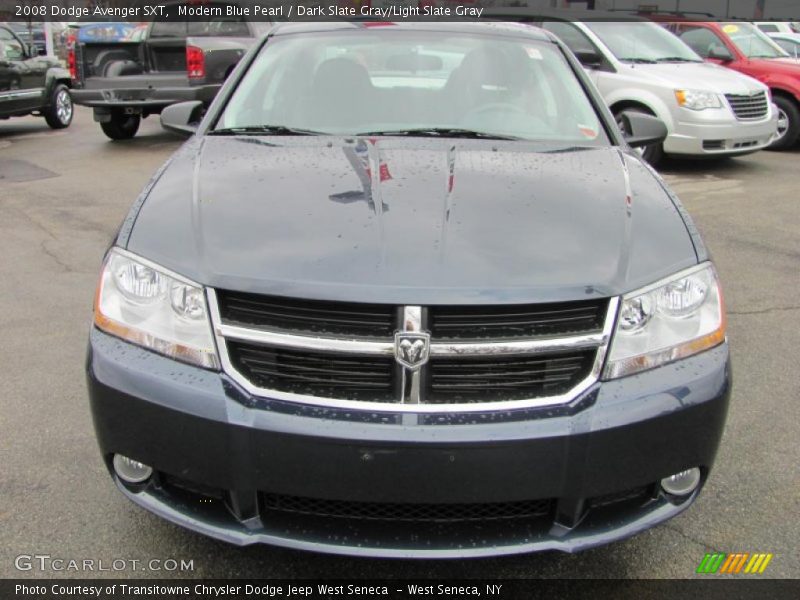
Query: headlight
point(697, 100)
point(666, 321)
point(146, 305)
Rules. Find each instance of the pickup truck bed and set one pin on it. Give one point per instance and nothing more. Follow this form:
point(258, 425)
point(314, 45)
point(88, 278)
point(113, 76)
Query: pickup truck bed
point(125, 81)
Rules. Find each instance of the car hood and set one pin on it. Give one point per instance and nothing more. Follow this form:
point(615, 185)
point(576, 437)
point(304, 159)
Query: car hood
point(786, 66)
point(409, 221)
point(698, 76)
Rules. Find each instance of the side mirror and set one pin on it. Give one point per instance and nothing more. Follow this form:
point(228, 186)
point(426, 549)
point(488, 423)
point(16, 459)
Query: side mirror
point(717, 52)
point(641, 129)
point(589, 59)
point(182, 118)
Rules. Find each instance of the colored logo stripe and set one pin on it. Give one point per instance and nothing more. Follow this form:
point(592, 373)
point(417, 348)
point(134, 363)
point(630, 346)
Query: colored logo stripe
point(711, 562)
point(758, 563)
point(734, 563)
point(720, 562)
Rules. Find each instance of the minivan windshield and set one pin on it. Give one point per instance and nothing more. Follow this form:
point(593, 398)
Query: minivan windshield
point(396, 81)
point(642, 42)
point(752, 42)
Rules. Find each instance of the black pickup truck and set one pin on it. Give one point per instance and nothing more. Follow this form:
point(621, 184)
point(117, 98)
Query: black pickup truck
point(30, 83)
point(125, 81)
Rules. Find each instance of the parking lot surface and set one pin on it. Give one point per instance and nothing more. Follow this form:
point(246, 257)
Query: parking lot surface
point(64, 193)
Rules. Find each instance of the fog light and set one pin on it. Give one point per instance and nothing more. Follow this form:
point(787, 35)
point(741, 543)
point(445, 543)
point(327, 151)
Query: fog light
point(683, 483)
point(131, 470)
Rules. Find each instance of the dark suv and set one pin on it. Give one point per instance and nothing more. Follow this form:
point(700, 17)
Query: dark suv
point(30, 83)
point(408, 292)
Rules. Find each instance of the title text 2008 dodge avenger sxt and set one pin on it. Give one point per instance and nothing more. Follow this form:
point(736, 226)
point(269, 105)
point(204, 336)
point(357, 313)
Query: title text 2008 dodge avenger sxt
point(408, 292)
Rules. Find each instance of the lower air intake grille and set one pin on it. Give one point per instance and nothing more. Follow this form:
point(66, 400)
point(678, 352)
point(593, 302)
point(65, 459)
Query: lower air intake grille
point(315, 373)
point(379, 511)
point(494, 378)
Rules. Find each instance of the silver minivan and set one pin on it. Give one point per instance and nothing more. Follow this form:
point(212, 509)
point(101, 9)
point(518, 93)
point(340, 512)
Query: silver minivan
point(639, 66)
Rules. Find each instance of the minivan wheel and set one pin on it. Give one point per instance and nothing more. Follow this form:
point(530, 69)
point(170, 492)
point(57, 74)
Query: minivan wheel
point(652, 153)
point(788, 123)
point(121, 126)
point(59, 113)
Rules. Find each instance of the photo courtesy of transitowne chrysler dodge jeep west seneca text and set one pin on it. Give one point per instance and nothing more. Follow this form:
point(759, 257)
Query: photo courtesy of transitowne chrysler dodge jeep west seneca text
point(408, 292)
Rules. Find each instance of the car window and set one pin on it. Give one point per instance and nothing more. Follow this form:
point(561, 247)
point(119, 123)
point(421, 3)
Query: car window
point(10, 47)
point(638, 41)
point(573, 37)
point(790, 46)
point(768, 27)
point(752, 42)
point(226, 27)
point(5, 35)
point(348, 83)
point(164, 29)
point(703, 41)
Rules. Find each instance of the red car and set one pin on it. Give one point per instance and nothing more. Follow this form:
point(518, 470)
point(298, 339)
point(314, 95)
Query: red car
point(742, 47)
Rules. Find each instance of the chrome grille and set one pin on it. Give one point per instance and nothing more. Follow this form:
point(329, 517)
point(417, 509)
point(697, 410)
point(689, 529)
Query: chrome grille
point(526, 320)
point(483, 379)
point(749, 107)
point(315, 373)
point(478, 358)
point(307, 316)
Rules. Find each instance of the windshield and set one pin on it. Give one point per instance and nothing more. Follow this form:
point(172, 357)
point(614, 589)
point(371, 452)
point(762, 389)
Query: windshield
point(636, 41)
point(398, 82)
point(752, 42)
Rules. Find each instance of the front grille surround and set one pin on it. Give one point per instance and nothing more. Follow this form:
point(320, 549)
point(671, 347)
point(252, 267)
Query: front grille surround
point(587, 349)
point(752, 107)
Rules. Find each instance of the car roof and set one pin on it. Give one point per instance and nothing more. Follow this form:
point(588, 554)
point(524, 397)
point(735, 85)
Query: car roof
point(559, 15)
point(502, 29)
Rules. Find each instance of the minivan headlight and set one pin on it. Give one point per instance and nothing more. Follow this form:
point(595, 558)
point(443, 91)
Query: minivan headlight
point(667, 321)
point(697, 99)
point(147, 305)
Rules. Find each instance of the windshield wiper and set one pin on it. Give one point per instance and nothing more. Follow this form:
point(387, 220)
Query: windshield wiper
point(454, 132)
point(264, 130)
point(644, 61)
point(677, 59)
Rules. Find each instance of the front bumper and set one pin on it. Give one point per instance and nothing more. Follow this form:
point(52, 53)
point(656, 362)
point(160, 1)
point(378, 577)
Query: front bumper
point(219, 454)
point(725, 138)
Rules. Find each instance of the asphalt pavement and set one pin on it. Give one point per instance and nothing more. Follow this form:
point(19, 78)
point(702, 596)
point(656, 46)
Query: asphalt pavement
point(64, 193)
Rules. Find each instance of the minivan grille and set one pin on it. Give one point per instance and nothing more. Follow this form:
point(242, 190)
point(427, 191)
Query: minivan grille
point(516, 321)
point(484, 379)
point(315, 373)
point(749, 107)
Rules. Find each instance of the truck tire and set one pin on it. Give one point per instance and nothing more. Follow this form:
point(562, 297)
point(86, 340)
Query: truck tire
point(653, 153)
point(121, 126)
point(59, 111)
point(788, 123)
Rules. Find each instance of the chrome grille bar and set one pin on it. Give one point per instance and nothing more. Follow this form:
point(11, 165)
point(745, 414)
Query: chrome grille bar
point(350, 346)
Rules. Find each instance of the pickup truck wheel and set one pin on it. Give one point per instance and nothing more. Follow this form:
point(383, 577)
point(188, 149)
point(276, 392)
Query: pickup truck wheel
point(653, 153)
point(59, 113)
point(121, 126)
point(788, 123)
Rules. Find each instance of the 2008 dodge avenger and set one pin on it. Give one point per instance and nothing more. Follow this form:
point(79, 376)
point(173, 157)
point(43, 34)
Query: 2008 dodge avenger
point(408, 291)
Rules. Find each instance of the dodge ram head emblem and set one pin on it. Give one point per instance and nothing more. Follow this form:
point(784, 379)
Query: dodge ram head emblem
point(412, 349)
